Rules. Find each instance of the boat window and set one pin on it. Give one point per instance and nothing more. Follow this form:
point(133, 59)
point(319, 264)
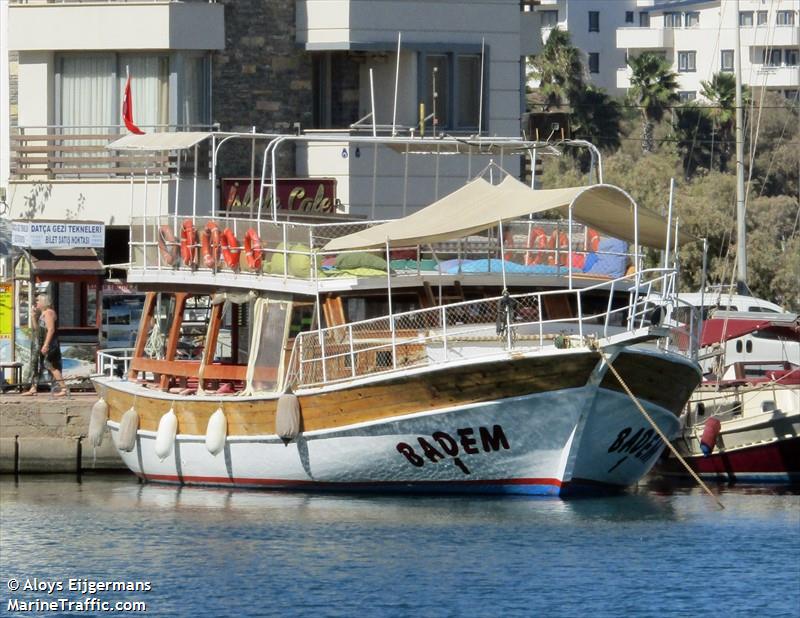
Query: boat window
point(768, 334)
point(748, 346)
point(761, 310)
point(739, 346)
point(270, 328)
point(158, 326)
point(194, 327)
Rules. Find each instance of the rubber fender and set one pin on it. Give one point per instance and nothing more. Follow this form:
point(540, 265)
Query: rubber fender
point(97, 422)
point(711, 429)
point(165, 435)
point(216, 432)
point(128, 430)
point(287, 418)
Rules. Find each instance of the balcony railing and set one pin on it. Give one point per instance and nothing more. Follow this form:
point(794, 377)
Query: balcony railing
point(61, 152)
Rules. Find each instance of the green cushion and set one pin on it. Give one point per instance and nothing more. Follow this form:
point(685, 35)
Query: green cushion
point(299, 263)
point(348, 261)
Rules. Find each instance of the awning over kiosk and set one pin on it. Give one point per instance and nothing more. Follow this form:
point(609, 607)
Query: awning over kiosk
point(480, 205)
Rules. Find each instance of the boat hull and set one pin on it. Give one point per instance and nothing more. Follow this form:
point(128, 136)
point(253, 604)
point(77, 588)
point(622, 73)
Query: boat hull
point(576, 433)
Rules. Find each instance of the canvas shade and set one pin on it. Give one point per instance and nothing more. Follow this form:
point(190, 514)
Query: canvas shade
point(480, 205)
point(160, 141)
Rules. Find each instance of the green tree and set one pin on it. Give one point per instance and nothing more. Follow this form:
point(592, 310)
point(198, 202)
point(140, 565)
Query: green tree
point(693, 130)
point(596, 117)
point(653, 89)
point(720, 93)
point(558, 69)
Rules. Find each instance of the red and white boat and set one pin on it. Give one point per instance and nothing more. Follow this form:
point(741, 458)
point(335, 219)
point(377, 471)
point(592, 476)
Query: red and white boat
point(743, 421)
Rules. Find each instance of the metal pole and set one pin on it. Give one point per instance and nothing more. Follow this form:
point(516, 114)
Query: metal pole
point(396, 85)
point(391, 316)
point(669, 229)
point(741, 241)
point(213, 175)
point(194, 186)
point(480, 99)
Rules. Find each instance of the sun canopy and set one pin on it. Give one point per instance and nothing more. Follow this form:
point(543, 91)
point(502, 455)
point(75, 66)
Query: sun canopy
point(480, 205)
point(160, 141)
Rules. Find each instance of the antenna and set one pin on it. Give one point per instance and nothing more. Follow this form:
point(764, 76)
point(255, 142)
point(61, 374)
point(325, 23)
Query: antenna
point(480, 99)
point(396, 82)
point(372, 99)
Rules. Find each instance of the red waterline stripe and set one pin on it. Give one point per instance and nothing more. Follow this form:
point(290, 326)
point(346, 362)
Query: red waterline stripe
point(223, 480)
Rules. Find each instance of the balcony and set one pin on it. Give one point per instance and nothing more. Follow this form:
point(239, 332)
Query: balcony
point(68, 173)
point(624, 78)
point(160, 24)
point(774, 77)
point(644, 38)
point(778, 36)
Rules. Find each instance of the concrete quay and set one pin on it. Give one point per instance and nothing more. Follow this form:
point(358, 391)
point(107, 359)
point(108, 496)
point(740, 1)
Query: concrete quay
point(43, 434)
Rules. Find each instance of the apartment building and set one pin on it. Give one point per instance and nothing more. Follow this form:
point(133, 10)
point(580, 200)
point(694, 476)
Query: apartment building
point(592, 26)
point(698, 39)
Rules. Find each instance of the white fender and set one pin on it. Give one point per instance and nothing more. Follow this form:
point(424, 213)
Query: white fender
point(216, 432)
point(97, 422)
point(287, 418)
point(128, 429)
point(165, 435)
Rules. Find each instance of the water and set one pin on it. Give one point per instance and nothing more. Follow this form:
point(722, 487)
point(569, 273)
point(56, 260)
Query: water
point(209, 552)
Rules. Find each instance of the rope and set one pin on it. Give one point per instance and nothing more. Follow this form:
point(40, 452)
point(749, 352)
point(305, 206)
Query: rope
point(656, 427)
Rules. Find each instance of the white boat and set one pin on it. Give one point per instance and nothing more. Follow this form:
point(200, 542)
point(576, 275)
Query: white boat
point(479, 374)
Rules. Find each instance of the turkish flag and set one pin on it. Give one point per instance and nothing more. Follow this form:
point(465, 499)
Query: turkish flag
point(127, 109)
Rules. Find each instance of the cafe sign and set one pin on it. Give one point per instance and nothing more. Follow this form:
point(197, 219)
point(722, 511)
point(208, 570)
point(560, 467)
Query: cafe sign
point(306, 195)
point(58, 234)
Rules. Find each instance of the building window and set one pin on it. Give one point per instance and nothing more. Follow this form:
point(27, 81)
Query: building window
point(790, 56)
point(761, 18)
point(672, 20)
point(594, 21)
point(451, 85)
point(644, 19)
point(771, 57)
point(693, 19)
point(687, 95)
point(628, 17)
point(791, 95)
point(745, 18)
point(785, 18)
point(726, 60)
point(687, 61)
point(594, 62)
point(549, 19)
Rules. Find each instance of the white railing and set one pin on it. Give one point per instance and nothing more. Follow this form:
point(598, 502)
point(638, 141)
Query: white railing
point(292, 250)
point(114, 362)
point(481, 328)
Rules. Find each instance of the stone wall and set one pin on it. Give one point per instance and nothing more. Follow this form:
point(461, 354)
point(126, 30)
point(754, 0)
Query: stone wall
point(262, 78)
point(49, 435)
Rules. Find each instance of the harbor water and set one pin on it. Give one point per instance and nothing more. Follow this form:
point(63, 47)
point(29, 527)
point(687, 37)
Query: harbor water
point(655, 551)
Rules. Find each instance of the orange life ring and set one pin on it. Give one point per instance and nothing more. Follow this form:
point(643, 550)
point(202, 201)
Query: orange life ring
point(167, 246)
point(189, 244)
point(592, 240)
point(252, 249)
point(209, 245)
point(229, 245)
point(537, 242)
point(559, 243)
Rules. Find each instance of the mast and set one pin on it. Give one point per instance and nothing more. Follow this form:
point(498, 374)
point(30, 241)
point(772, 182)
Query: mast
point(741, 246)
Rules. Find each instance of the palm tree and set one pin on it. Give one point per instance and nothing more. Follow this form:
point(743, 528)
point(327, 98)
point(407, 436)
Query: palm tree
point(559, 70)
point(720, 92)
point(595, 117)
point(653, 88)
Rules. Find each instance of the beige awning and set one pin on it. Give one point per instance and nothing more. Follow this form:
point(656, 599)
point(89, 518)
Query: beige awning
point(160, 141)
point(479, 205)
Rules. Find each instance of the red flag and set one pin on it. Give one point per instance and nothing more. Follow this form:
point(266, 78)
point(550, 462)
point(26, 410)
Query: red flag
point(127, 109)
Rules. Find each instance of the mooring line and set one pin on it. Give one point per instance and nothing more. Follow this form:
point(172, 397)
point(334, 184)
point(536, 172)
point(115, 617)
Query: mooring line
point(657, 428)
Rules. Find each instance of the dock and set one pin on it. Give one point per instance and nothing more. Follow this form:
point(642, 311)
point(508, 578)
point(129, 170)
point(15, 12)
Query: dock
point(44, 434)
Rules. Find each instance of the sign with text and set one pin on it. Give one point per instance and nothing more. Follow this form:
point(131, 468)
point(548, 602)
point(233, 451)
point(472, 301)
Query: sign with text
point(6, 320)
point(58, 234)
point(306, 195)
